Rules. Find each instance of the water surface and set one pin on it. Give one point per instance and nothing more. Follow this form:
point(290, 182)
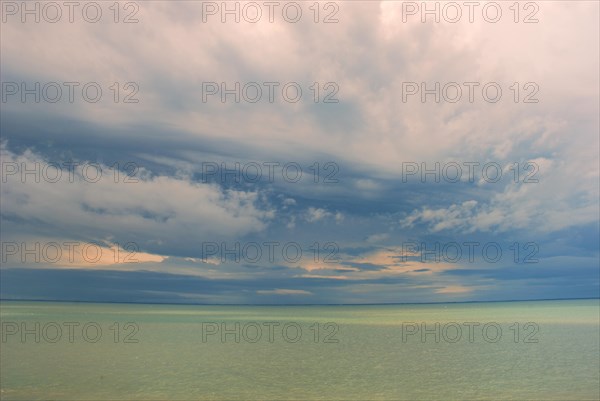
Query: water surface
point(545, 350)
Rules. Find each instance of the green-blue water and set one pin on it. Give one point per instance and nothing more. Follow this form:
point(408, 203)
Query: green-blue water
point(547, 350)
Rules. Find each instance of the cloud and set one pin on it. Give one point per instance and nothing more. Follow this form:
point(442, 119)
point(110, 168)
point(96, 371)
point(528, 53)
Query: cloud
point(283, 292)
point(315, 214)
point(453, 289)
point(374, 238)
point(367, 185)
point(559, 198)
point(292, 222)
point(390, 53)
point(455, 216)
point(359, 201)
point(73, 254)
point(161, 213)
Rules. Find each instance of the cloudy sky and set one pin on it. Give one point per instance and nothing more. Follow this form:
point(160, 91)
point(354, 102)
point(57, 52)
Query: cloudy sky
point(330, 152)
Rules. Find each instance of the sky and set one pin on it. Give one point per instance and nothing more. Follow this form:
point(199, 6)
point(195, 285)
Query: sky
point(308, 153)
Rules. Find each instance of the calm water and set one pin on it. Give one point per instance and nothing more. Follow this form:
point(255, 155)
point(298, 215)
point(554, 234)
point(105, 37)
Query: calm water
point(545, 350)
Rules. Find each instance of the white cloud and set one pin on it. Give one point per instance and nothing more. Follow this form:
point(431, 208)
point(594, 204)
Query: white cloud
point(565, 195)
point(374, 53)
point(314, 214)
point(163, 212)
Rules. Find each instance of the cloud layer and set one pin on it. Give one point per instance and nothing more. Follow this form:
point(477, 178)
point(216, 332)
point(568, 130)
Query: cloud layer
point(356, 133)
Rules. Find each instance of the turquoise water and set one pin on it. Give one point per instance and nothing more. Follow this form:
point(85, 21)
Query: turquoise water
point(545, 350)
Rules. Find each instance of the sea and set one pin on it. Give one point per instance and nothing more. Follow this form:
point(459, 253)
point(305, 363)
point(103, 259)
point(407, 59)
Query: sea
point(533, 350)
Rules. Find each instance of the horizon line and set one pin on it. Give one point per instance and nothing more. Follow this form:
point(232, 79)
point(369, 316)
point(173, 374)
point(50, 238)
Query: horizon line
point(284, 304)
